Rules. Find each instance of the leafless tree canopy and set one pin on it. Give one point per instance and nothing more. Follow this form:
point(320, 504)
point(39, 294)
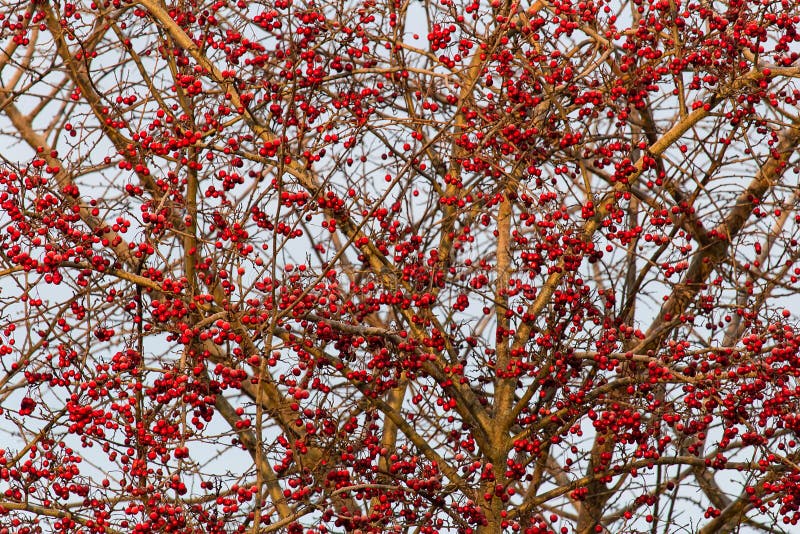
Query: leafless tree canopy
point(399, 266)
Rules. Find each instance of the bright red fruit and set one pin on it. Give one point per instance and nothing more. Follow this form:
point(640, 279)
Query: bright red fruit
point(26, 406)
point(380, 266)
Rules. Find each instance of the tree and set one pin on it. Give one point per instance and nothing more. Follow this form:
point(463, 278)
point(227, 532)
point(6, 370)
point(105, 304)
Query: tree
point(384, 266)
